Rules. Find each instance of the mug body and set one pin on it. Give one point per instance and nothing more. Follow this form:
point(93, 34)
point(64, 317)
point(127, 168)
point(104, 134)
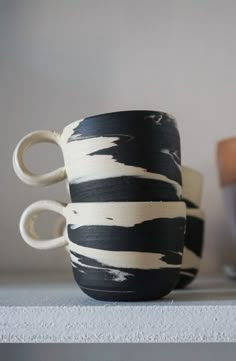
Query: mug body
point(192, 182)
point(193, 245)
point(126, 251)
point(123, 156)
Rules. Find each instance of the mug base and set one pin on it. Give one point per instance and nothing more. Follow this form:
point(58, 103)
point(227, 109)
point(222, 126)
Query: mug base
point(126, 296)
point(144, 285)
point(185, 280)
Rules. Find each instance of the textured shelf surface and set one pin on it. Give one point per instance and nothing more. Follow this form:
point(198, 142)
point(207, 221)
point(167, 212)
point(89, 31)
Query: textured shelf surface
point(60, 312)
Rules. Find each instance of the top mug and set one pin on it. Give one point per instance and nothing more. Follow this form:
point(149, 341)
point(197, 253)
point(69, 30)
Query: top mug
point(120, 156)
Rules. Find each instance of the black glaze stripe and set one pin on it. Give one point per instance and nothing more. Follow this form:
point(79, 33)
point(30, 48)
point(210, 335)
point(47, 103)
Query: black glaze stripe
point(149, 236)
point(142, 137)
point(119, 122)
point(194, 236)
point(185, 279)
point(143, 293)
point(123, 189)
point(102, 276)
point(144, 285)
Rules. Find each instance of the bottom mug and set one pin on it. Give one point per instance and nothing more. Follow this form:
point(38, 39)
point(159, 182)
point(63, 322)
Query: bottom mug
point(120, 251)
point(193, 245)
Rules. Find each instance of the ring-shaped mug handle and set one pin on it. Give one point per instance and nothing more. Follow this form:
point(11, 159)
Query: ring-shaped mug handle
point(40, 136)
point(27, 223)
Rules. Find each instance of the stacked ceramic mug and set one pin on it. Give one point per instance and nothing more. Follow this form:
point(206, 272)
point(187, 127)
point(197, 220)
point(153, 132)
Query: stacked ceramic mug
point(195, 222)
point(126, 221)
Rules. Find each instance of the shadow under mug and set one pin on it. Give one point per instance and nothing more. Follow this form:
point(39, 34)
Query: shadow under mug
point(193, 245)
point(120, 156)
point(120, 251)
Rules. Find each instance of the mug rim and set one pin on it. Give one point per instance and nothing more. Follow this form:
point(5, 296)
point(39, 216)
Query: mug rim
point(194, 172)
point(196, 212)
point(166, 203)
point(172, 117)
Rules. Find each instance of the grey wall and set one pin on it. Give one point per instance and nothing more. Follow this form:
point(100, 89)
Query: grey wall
point(63, 60)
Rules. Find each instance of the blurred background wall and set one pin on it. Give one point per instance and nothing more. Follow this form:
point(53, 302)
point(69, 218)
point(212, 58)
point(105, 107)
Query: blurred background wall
point(63, 60)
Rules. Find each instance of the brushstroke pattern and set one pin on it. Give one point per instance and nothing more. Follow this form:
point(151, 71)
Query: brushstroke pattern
point(119, 246)
point(137, 145)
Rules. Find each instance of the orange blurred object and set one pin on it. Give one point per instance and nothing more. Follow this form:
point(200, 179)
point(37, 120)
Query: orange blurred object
point(226, 158)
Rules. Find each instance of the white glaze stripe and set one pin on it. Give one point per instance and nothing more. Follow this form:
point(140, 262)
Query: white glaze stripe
point(89, 167)
point(119, 276)
point(111, 291)
point(68, 131)
point(187, 274)
point(138, 260)
point(190, 259)
point(192, 185)
point(121, 214)
point(196, 212)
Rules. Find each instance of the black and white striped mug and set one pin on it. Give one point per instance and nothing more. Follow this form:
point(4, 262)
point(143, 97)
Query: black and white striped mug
point(195, 222)
point(120, 156)
point(120, 251)
point(193, 246)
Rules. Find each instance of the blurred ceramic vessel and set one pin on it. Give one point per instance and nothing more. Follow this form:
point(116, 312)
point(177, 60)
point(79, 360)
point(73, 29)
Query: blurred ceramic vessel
point(226, 161)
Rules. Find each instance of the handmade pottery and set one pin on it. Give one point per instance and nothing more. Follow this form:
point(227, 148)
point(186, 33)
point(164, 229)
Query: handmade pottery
point(193, 245)
point(121, 156)
point(120, 251)
point(192, 181)
point(193, 242)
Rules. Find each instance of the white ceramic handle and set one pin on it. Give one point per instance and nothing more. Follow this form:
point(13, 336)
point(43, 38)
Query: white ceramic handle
point(27, 228)
point(40, 136)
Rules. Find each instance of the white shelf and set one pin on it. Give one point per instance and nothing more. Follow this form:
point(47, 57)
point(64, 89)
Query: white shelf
point(60, 312)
